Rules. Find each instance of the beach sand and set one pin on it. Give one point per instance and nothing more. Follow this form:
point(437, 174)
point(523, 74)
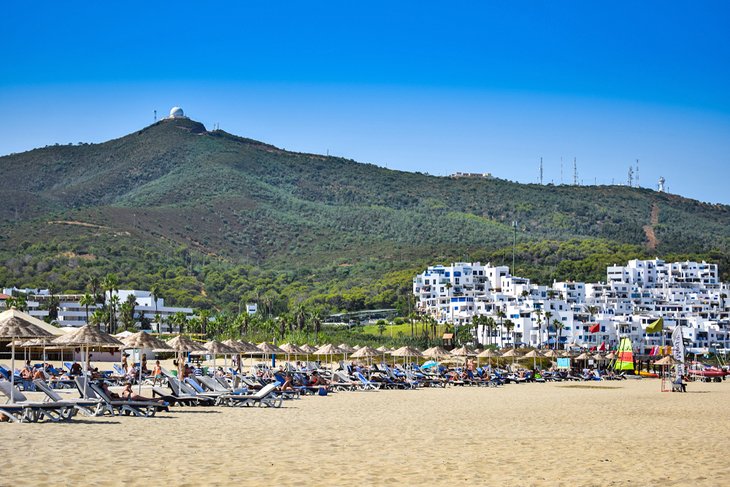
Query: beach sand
point(609, 433)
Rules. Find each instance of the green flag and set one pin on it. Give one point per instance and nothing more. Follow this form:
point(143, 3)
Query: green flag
point(656, 327)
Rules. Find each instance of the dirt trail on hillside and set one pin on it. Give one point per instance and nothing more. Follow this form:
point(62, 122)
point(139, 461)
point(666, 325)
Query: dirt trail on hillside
point(651, 240)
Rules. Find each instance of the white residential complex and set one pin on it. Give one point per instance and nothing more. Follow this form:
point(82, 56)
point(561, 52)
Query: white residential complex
point(72, 313)
point(689, 294)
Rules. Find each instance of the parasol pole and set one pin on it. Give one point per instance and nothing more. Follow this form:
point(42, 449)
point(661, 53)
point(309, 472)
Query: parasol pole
point(12, 372)
point(139, 353)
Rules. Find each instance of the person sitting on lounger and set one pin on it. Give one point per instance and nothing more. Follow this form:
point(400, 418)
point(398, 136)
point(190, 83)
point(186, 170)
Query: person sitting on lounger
point(130, 395)
point(38, 374)
point(132, 372)
point(317, 380)
point(27, 372)
point(76, 369)
point(287, 385)
point(108, 392)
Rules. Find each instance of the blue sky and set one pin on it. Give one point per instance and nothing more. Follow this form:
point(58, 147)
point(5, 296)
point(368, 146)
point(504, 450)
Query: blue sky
point(420, 86)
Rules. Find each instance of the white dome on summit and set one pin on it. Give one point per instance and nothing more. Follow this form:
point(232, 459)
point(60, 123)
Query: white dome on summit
point(176, 112)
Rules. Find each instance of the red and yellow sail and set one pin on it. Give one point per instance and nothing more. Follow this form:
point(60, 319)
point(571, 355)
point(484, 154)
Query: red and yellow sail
point(625, 355)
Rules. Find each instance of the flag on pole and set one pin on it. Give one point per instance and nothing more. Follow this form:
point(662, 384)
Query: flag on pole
point(656, 326)
point(594, 328)
point(678, 349)
point(602, 348)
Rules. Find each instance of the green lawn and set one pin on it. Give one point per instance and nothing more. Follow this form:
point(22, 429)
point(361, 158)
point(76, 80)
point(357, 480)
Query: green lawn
point(405, 329)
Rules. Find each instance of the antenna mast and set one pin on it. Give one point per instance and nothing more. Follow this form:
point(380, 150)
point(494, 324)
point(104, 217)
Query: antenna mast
point(541, 171)
point(155, 115)
point(637, 174)
point(561, 170)
point(631, 177)
point(575, 172)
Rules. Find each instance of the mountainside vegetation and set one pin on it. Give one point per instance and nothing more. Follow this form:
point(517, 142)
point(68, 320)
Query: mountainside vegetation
point(214, 220)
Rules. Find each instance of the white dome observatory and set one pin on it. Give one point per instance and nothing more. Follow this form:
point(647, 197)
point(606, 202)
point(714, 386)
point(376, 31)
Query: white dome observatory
point(176, 112)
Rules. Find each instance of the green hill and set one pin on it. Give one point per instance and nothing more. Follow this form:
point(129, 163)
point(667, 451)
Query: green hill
point(214, 218)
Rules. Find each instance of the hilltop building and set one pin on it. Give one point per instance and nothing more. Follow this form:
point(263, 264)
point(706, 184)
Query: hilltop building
point(689, 294)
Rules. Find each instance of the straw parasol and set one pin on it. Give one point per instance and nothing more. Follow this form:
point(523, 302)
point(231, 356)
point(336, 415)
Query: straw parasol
point(291, 349)
point(346, 348)
point(611, 356)
point(668, 360)
point(365, 352)
point(14, 325)
point(488, 353)
point(550, 354)
point(327, 349)
point(308, 349)
point(534, 355)
point(584, 356)
point(270, 350)
point(462, 351)
point(234, 345)
point(435, 352)
point(142, 340)
point(88, 337)
point(598, 356)
point(407, 351)
point(215, 347)
point(182, 344)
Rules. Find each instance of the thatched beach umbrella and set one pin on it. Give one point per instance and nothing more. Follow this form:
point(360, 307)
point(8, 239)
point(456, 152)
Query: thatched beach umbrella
point(462, 351)
point(142, 340)
point(14, 325)
point(488, 353)
point(270, 350)
point(511, 353)
point(435, 353)
point(533, 354)
point(550, 354)
point(328, 350)
point(182, 344)
point(366, 352)
point(87, 337)
point(346, 349)
point(291, 349)
point(407, 351)
point(215, 347)
point(308, 349)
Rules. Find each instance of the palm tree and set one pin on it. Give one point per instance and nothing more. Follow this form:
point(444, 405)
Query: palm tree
point(558, 329)
point(501, 315)
point(97, 318)
point(113, 306)
point(94, 287)
point(510, 326)
point(86, 301)
point(156, 294)
point(490, 324)
point(180, 320)
point(548, 315)
point(111, 284)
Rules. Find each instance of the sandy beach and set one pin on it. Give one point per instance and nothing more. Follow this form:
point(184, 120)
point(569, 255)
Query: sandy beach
point(610, 433)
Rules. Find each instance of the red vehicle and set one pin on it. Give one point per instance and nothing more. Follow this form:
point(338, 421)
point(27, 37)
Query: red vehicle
point(706, 373)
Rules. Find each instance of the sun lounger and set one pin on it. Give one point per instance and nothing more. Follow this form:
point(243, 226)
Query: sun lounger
point(87, 407)
point(266, 397)
point(367, 385)
point(25, 411)
point(182, 393)
point(118, 407)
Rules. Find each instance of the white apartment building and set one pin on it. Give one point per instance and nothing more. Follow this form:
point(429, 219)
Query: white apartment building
point(72, 313)
point(688, 294)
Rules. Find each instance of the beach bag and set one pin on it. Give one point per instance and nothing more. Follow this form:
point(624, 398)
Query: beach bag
point(322, 391)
